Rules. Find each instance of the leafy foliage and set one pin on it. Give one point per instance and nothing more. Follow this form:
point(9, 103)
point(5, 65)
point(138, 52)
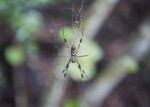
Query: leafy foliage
point(14, 55)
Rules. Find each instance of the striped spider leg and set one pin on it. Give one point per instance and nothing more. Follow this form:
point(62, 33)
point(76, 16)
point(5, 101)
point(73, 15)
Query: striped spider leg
point(82, 72)
point(79, 66)
point(67, 66)
point(80, 41)
point(65, 72)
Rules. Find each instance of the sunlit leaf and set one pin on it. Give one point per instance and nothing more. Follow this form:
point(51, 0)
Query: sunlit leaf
point(130, 63)
point(68, 33)
point(14, 55)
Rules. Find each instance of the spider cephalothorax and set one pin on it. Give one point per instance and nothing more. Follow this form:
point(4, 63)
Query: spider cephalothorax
point(73, 50)
point(73, 57)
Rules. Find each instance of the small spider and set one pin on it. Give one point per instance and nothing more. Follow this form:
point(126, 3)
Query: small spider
point(73, 57)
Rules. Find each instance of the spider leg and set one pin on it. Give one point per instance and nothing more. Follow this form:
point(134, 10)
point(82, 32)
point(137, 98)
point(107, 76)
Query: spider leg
point(80, 41)
point(66, 68)
point(64, 72)
point(82, 71)
point(63, 56)
point(82, 56)
point(66, 42)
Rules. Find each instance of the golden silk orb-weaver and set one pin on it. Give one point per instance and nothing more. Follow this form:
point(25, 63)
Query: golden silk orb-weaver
point(74, 57)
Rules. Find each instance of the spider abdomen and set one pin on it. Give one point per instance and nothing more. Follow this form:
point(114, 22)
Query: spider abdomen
point(73, 59)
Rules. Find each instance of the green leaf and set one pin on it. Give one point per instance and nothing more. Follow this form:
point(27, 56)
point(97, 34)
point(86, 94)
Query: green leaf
point(71, 103)
point(130, 63)
point(14, 55)
point(43, 1)
point(30, 24)
point(68, 33)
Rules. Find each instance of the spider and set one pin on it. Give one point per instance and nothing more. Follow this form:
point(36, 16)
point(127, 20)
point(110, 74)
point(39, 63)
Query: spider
point(73, 57)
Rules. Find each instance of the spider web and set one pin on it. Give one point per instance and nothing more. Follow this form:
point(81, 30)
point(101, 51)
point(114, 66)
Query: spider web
point(77, 19)
point(51, 44)
point(77, 11)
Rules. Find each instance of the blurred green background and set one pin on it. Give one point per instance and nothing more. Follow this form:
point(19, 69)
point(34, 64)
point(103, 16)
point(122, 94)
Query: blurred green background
point(31, 39)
